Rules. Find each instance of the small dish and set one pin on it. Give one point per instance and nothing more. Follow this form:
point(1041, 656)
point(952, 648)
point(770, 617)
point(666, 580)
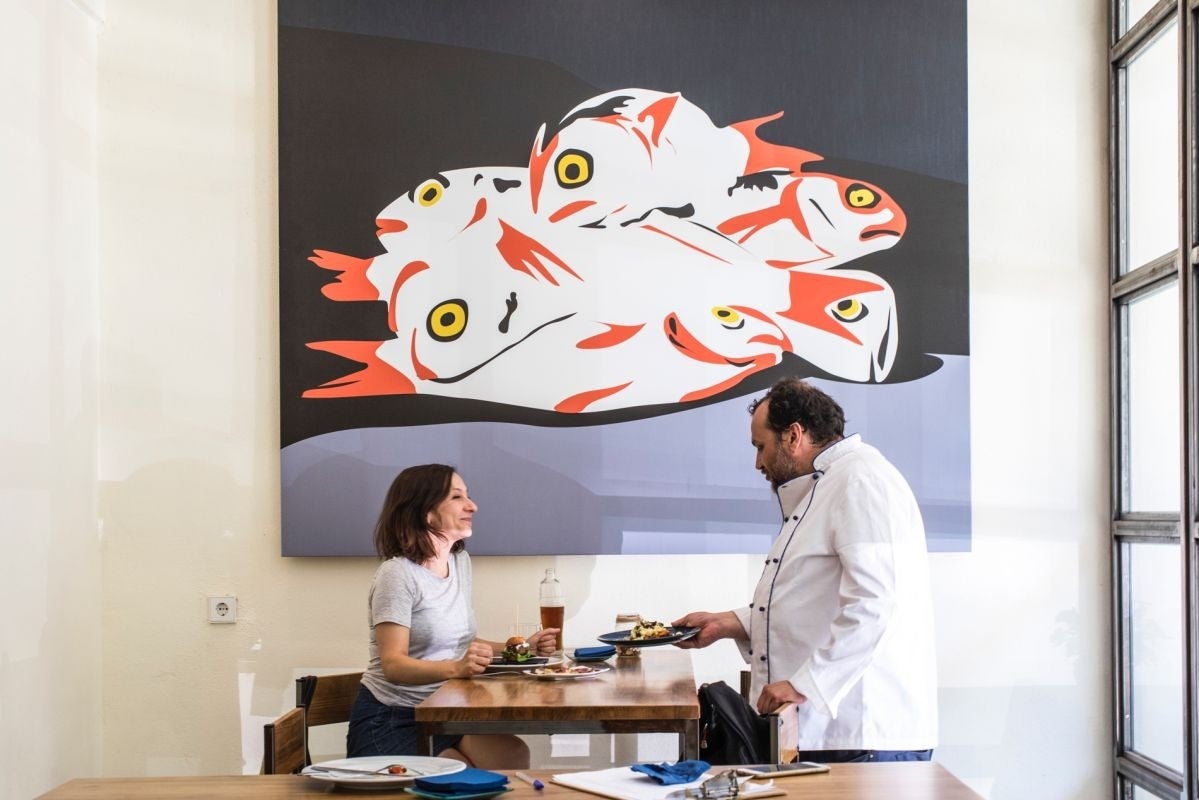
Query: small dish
point(467, 796)
point(566, 673)
point(574, 656)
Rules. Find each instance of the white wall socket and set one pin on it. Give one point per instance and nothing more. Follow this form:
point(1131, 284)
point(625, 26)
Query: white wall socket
point(222, 609)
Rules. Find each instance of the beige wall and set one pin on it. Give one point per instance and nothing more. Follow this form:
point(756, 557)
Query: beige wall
point(50, 595)
point(128, 678)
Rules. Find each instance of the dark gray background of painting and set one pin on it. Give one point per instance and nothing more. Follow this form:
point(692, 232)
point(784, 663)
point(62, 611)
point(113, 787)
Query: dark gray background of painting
point(882, 81)
point(376, 96)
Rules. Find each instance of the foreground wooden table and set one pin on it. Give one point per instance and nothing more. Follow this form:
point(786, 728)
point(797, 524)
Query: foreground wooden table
point(909, 781)
point(655, 693)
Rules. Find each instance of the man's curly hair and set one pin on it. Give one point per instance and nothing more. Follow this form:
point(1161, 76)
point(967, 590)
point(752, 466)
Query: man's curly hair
point(795, 400)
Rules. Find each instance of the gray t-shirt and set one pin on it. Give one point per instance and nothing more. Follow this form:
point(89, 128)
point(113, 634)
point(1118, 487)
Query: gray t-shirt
point(436, 611)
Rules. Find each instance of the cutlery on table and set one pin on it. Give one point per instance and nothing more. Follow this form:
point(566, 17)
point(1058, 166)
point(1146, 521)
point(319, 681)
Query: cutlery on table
point(381, 771)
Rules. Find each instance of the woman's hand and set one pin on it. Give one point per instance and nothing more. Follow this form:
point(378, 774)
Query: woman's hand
point(476, 659)
point(543, 642)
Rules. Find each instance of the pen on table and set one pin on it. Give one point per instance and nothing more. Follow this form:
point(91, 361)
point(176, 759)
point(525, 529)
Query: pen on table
point(529, 779)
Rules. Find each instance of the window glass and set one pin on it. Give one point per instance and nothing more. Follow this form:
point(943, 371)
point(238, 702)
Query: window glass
point(1155, 628)
point(1151, 128)
point(1133, 11)
point(1143, 794)
point(1152, 461)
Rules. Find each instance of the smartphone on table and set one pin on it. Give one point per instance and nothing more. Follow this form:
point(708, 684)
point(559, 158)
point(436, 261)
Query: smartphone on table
point(781, 770)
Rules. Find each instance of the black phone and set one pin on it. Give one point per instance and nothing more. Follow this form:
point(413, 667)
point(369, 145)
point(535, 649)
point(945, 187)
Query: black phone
point(781, 770)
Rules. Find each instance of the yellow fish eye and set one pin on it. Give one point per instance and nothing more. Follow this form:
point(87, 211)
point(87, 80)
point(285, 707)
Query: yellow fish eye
point(447, 321)
point(728, 317)
point(849, 310)
point(429, 193)
point(861, 196)
point(573, 169)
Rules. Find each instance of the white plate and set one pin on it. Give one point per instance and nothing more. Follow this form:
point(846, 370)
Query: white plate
point(502, 667)
point(566, 676)
point(418, 766)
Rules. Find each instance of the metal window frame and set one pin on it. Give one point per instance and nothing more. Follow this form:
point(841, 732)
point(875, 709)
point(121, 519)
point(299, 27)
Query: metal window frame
point(1130, 768)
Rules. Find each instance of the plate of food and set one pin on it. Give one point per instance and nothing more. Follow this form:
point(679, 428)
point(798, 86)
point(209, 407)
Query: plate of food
point(380, 772)
point(517, 657)
point(648, 633)
point(560, 673)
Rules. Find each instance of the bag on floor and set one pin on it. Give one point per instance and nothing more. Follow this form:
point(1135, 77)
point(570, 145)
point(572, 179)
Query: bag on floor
point(730, 730)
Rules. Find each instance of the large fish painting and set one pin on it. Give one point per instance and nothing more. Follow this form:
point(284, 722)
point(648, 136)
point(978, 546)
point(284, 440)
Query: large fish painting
point(561, 245)
point(648, 255)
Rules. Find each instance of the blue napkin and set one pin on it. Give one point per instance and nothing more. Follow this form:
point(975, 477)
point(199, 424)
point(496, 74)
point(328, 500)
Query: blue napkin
point(603, 651)
point(666, 774)
point(468, 781)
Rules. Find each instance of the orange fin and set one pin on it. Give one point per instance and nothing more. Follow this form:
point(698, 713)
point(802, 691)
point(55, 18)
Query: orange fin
point(579, 402)
point(378, 377)
point(611, 337)
point(351, 283)
point(525, 254)
point(766, 155)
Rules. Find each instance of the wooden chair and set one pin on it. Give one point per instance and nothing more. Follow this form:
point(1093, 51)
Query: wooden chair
point(325, 700)
point(284, 744)
point(782, 742)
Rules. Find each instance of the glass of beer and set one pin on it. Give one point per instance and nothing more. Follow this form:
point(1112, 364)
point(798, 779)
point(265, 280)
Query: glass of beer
point(553, 606)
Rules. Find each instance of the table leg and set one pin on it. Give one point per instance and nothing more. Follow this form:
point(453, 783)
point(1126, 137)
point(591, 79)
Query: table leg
point(689, 740)
point(424, 742)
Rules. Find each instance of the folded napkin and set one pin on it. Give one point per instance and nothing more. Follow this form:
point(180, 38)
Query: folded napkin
point(666, 774)
point(468, 781)
point(595, 652)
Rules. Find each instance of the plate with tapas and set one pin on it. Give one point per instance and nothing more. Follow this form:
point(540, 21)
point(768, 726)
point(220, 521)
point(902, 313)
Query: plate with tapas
point(648, 634)
point(565, 673)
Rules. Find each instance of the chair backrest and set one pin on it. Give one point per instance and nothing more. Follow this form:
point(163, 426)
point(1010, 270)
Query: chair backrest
point(284, 744)
point(326, 699)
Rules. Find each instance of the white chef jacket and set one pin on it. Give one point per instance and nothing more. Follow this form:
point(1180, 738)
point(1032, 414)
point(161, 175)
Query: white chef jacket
point(843, 608)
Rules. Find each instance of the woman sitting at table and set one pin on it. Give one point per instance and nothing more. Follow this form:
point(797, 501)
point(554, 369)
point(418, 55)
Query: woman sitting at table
point(423, 624)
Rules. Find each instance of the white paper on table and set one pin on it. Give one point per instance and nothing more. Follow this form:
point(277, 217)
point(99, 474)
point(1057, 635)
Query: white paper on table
point(623, 783)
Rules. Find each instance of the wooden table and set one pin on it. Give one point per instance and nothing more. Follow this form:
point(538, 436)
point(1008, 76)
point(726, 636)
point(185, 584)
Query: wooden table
point(908, 781)
point(655, 693)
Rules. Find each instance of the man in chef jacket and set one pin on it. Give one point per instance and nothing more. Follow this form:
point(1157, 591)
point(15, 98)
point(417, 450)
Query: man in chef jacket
point(841, 622)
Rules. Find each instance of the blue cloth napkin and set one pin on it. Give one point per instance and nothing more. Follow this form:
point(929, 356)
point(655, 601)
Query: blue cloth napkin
point(603, 651)
point(666, 774)
point(468, 781)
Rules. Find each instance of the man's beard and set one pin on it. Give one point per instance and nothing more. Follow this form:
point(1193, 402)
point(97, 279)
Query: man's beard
point(784, 470)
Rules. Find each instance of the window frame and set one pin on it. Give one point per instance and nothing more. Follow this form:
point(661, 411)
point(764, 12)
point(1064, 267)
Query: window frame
point(1131, 768)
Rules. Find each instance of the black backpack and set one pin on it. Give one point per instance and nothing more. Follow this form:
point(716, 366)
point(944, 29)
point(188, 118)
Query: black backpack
point(730, 730)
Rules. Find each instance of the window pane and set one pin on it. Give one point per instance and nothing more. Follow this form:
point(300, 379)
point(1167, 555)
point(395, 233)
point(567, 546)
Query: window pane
point(1155, 631)
point(1152, 460)
point(1143, 794)
point(1151, 130)
point(1133, 11)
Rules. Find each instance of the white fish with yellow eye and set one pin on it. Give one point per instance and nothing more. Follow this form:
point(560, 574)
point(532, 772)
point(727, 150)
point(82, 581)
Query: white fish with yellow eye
point(419, 224)
point(847, 324)
point(617, 156)
point(812, 220)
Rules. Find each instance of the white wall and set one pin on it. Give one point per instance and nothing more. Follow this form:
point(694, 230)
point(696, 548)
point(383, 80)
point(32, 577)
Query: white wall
point(50, 720)
point(188, 431)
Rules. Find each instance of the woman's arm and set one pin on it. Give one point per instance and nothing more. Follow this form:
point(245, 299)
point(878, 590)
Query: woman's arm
point(401, 668)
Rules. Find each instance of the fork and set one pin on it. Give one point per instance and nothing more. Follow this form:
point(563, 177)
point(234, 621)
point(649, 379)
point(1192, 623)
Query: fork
point(381, 771)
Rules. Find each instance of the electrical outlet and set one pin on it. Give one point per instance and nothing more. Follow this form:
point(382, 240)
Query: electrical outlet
point(222, 609)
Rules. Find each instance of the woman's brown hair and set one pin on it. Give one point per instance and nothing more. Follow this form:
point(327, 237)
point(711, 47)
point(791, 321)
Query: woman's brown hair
point(403, 526)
